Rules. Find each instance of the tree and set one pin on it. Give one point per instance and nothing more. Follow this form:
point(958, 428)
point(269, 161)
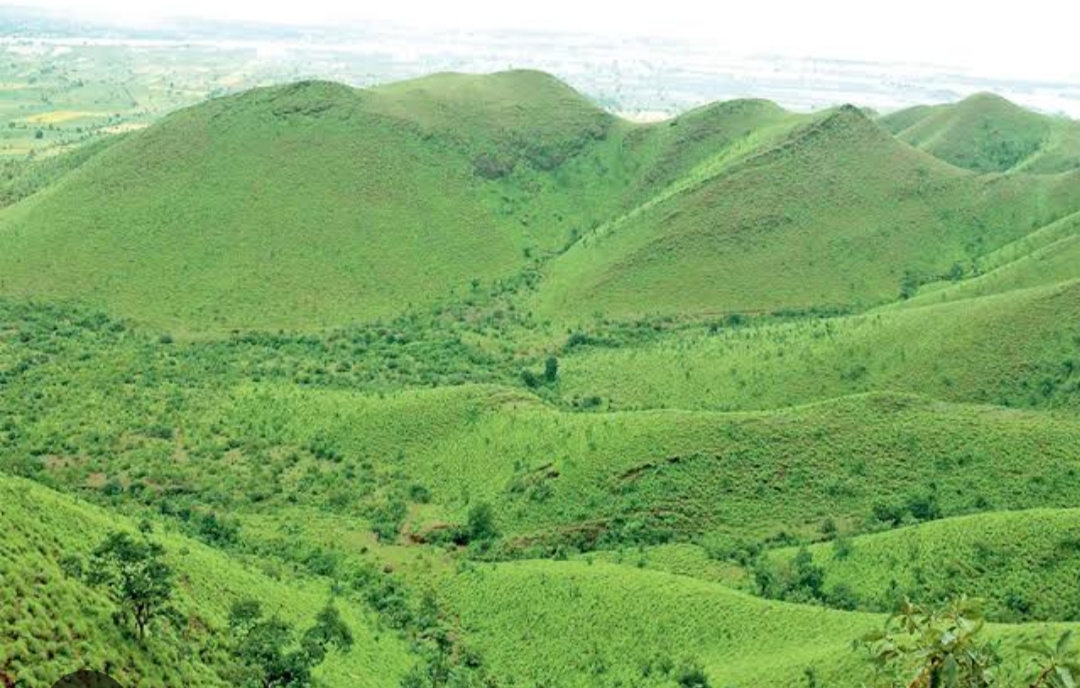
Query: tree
point(137, 578)
point(551, 369)
point(481, 523)
point(691, 675)
point(909, 284)
point(263, 647)
point(920, 648)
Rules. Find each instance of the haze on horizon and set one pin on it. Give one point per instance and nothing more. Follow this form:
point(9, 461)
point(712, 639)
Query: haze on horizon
point(1037, 43)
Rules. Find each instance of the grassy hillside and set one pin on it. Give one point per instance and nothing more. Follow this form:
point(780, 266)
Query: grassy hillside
point(315, 205)
point(610, 480)
point(573, 624)
point(987, 133)
point(1048, 255)
point(838, 215)
point(540, 396)
point(54, 624)
point(1023, 563)
point(1014, 349)
point(287, 207)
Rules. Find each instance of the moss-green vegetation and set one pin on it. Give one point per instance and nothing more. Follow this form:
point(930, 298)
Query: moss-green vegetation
point(987, 133)
point(537, 396)
point(54, 623)
point(990, 556)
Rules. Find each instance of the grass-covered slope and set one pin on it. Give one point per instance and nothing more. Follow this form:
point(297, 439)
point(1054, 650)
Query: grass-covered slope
point(609, 480)
point(314, 205)
point(52, 624)
point(295, 206)
point(1017, 348)
point(601, 625)
point(1047, 256)
point(836, 215)
point(572, 624)
point(1023, 564)
point(987, 133)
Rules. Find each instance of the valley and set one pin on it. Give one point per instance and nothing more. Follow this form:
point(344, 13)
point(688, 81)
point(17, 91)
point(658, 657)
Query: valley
point(536, 395)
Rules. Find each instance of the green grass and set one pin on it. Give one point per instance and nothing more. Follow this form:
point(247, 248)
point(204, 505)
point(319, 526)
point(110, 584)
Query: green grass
point(575, 624)
point(1014, 349)
point(1021, 563)
point(54, 624)
point(572, 624)
point(833, 217)
point(296, 197)
point(987, 133)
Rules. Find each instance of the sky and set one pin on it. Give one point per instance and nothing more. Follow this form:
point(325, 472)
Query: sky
point(1029, 39)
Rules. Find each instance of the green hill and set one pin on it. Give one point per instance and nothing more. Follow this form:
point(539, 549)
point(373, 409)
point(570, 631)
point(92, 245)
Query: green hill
point(54, 624)
point(284, 207)
point(835, 216)
point(315, 205)
point(1023, 563)
point(1018, 348)
point(987, 133)
point(539, 396)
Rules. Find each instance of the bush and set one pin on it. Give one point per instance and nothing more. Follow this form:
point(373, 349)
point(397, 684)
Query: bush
point(480, 526)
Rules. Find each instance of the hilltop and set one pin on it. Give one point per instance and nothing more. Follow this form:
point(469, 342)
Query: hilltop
point(536, 395)
point(314, 205)
point(987, 133)
point(836, 215)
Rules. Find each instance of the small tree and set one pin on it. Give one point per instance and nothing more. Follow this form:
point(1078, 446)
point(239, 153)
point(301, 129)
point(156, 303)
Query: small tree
point(551, 369)
point(263, 648)
point(481, 523)
point(918, 648)
point(909, 285)
point(136, 577)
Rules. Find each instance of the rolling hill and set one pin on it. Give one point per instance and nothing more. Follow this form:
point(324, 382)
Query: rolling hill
point(1022, 562)
point(1018, 348)
point(537, 395)
point(315, 205)
point(835, 216)
point(987, 133)
point(53, 623)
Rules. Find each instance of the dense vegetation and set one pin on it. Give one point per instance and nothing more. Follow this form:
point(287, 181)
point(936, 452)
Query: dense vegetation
point(464, 382)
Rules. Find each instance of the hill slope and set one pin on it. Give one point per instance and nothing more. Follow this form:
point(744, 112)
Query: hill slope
point(1017, 348)
point(833, 217)
point(1023, 563)
point(987, 133)
point(54, 624)
point(286, 207)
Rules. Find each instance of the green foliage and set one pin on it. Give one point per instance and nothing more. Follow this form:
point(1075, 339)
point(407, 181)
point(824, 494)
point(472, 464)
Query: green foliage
point(1058, 664)
point(932, 648)
point(525, 326)
point(136, 576)
point(921, 648)
point(266, 651)
point(480, 526)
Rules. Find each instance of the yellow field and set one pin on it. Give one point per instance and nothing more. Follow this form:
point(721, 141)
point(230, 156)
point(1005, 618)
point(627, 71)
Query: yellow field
point(58, 116)
point(124, 127)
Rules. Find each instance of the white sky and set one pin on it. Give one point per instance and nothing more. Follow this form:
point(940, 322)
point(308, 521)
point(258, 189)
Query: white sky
point(1006, 38)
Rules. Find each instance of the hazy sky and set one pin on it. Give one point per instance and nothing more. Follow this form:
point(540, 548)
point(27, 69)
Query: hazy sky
point(1029, 38)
